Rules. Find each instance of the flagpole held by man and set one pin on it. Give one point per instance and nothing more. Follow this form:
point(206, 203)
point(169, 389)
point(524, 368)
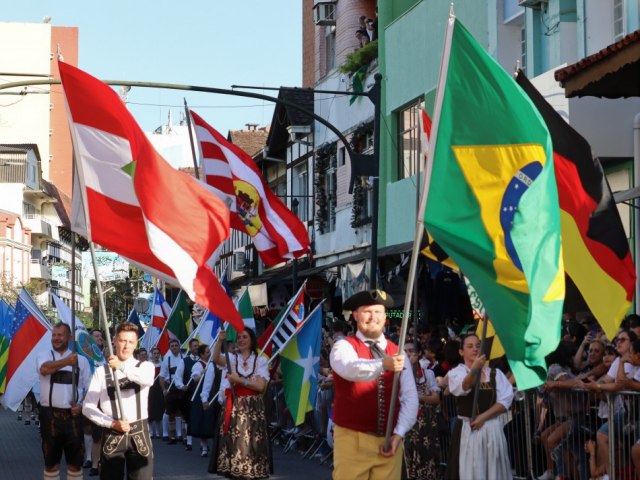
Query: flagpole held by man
point(363, 367)
point(126, 443)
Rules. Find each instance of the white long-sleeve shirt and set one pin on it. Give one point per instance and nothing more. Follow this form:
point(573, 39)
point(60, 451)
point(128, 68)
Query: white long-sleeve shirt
point(170, 361)
point(207, 383)
point(180, 370)
point(346, 363)
point(504, 390)
point(62, 395)
point(143, 375)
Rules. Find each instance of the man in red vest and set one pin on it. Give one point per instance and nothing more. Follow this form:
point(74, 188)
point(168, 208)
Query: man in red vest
point(363, 367)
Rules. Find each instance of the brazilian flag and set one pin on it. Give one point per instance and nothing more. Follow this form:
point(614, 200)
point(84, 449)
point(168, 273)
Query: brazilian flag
point(492, 201)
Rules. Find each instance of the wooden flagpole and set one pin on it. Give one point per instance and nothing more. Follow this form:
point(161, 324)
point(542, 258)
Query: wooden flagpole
point(444, 66)
point(191, 141)
point(105, 326)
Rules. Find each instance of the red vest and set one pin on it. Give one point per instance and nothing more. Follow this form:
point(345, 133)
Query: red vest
point(364, 406)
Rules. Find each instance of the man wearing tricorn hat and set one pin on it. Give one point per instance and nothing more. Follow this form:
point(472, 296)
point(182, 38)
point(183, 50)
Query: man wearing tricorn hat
point(363, 366)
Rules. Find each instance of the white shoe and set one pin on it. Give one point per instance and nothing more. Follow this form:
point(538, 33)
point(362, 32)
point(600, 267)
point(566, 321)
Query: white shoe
point(548, 475)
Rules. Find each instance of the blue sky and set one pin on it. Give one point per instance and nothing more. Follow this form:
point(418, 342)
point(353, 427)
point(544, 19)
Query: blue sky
point(211, 43)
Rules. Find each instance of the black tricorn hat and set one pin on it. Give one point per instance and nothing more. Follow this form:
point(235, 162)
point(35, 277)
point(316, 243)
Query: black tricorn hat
point(368, 297)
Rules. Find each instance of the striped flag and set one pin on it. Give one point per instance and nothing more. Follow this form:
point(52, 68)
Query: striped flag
point(595, 246)
point(277, 233)
point(160, 314)
point(29, 336)
point(135, 203)
point(289, 324)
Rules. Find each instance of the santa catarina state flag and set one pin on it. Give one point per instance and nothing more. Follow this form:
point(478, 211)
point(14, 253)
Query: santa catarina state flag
point(278, 234)
point(135, 203)
point(596, 250)
point(492, 201)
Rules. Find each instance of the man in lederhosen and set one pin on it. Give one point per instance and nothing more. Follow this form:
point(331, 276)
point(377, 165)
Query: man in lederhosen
point(182, 382)
point(126, 443)
point(172, 394)
point(60, 418)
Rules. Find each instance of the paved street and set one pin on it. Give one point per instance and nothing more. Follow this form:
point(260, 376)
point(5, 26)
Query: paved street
point(21, 458)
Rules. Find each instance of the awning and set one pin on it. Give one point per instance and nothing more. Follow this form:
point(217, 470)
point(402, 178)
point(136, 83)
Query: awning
point(613, 72)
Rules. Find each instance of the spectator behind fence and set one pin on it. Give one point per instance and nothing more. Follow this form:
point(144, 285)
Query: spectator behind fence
point(565, 407)
point(612, 382)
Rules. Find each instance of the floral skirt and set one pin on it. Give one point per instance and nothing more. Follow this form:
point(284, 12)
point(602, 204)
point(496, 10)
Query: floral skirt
point(422, 446)
point(244, 451)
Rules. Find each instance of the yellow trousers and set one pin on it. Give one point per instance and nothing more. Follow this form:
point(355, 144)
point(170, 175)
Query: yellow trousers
point(356, 456)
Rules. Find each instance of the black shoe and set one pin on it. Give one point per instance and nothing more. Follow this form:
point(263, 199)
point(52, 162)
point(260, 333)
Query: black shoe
point(19, 417)
point(27, 422)
point(87, 464)
point(172, 441)
point(165, 439)
point(93, 472)
point(188, 448)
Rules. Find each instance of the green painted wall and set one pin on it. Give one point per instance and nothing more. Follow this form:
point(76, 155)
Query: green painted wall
point(411, 37)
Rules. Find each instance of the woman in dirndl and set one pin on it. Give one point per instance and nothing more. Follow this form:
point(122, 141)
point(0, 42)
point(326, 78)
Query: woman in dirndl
point(479, 443)
point(243, 451)
point(421, 443)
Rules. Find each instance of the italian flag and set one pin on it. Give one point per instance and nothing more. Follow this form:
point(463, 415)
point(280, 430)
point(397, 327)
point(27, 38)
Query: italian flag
point(135, 203)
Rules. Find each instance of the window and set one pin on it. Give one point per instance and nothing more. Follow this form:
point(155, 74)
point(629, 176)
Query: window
point(300, 192)
point(618, 20)
point(330, 47)
point(409, 158)
point(331, 189)
point(342, 156)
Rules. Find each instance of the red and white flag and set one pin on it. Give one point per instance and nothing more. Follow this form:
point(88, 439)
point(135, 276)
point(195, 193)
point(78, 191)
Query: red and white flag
point(425, 132)
point(277, 232)
point(29, 337)
point(159, 316)
point(136, 204)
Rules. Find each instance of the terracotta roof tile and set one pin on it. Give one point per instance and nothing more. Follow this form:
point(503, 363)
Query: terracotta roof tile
point(251, 141)
point(564, 73)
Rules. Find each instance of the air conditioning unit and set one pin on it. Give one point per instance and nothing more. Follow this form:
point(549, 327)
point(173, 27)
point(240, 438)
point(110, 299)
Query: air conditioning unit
point(324, 13)
point(238, 262)
point(537, 4)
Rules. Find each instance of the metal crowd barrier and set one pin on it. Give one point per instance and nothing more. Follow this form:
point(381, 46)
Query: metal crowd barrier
point(548, 433)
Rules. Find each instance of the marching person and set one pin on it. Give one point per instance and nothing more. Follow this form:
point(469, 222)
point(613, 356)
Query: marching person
point(202, 420)
point(156, 396)
point(60, 408)
point(92, 432)
point(172, 420)
point(244, 451)
point(126, 444)
point(478, 442)
point(363, 368)
point(182, 381)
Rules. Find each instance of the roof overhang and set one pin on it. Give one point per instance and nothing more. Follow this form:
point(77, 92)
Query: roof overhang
point(613, 72)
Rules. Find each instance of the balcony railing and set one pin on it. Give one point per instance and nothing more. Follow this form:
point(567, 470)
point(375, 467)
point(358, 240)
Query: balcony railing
point(38, 225)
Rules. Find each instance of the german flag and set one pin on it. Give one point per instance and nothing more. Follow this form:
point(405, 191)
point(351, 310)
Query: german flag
point(596, 250)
